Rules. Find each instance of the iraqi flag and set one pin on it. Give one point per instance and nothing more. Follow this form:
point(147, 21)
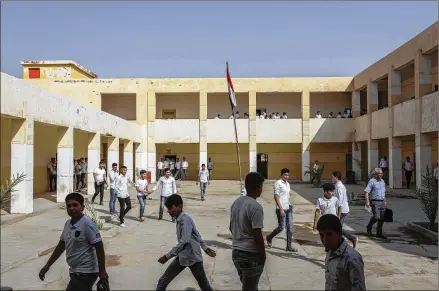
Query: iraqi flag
point(232, 96)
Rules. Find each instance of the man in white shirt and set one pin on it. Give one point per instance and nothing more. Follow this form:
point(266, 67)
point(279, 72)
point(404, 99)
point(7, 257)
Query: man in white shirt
point(284, 210)
point(408, 169)
point(167, 188)
point(51, 168)
point(184, 166)
point(121, 187)
point(160, 167)
point(177, 170)
point(328, 204)
point(203, 178)
point(100, 178)
point(341, 194)
point(172, 167)
point(384, 165)
point(210, 167)
point(315, 169)
point(166, 163)
point(318, 115)
point(112, 175)
point(284, 115)
point(218, 116)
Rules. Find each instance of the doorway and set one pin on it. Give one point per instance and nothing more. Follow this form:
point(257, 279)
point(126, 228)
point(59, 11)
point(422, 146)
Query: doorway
point(262, 165)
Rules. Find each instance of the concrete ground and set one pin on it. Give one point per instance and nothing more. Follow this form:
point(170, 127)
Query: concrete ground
point(403, 261)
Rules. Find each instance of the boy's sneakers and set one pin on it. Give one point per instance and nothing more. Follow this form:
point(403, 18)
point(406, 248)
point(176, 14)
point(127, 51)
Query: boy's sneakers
point(123, 225)
point(291, 249)
point(202, 198)
point(141, 219)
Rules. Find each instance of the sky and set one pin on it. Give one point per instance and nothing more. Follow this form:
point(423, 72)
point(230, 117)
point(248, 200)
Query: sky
point(195, 39)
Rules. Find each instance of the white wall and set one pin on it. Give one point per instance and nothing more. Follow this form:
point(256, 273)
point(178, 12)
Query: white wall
point(223, 131)
point(22, 99)
point(362, 128)
point(278, 130)
point(331, 129)
point(177, 130)
point(380, 123)
point(404, 121)
point(430, 112)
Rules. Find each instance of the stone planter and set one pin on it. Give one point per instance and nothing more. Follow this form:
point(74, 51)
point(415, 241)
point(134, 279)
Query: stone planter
point(421, 228)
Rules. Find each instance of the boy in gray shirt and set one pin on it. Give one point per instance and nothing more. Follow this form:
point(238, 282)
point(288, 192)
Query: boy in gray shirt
point(246, 223)
point(84, 248)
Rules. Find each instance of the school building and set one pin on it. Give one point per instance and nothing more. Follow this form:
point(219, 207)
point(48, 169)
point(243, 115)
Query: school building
point(60, 109)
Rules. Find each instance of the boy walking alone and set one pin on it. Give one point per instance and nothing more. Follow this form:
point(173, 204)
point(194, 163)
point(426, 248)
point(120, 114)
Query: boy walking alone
point(188, 249)
point(121, 187)
point(203, 178)
point(328, 204)
point(167, 188)
point(84, 248)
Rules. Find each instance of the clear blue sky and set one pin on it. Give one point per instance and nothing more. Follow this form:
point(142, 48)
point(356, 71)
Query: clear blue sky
point(195, 39)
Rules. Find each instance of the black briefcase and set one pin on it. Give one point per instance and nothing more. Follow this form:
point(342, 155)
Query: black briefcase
point(388, 215)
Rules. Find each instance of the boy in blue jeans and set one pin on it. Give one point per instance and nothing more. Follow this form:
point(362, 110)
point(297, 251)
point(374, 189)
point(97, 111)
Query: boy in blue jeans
point(142, 193)
point(203, 178)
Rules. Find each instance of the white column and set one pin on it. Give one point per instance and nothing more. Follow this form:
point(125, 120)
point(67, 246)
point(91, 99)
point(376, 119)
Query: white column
point(151, 136)
point(356, 157)
point(203, 128)
point(64, 173)
point(128, 158)
point(113, 152)
point(94, 156)
point(424, 156)
point(395, 163)
point(306, 140)
point(22, 161)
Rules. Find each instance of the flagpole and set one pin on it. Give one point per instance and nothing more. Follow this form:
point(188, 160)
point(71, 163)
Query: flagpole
point(236, 140)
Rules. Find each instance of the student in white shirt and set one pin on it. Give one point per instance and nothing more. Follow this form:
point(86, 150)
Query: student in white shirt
point(167, 188)
point(142, 193)
point(177, 170)
point(318, 115)
point(284, 115)
point(160, 167)
point(331, 115)
point(339, 115)
point(341, 194)
point(100, 178)
point(184, 166)
point(315, 169)
point(284, 210)
point(384, 165)
point(172, 167)
point(51, 168)
point(112, 175)
point(83, 172)
point(328, 204)
point(210, 167)
point(78, 173)
point(121, 187)
point(203, 178)
point(408, 169)
point(166, 163)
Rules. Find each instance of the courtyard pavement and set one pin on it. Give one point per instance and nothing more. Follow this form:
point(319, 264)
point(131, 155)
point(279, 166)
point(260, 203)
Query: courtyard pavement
point(404, 261)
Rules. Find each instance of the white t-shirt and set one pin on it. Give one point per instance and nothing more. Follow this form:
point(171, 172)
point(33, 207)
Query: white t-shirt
point(178, 165)
point(160, 165)
point(384, 164)
point(328, 206)
point(408, 165)
point(282, 189)
point(341, 194)
point(52, 168)
point(184, 164)
point(142, 185)
point(100, 173)
point(172, 165)
point(210, 165)
point(204, 176)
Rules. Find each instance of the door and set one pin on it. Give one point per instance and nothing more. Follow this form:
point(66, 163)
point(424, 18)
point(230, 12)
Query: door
point(169, 114)
point(262, 165)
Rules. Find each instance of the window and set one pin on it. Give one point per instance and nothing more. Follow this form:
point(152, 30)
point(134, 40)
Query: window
point(34, 73)
point(169, 114)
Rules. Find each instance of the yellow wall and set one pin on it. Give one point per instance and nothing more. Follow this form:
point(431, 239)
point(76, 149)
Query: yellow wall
point(189, 150)
point(407, 89)
point(334, 155)
point(186, 105)
point(80, 144)
point(45, 147)
point(78, 74)
point(225, 164)
point(120, 105)
point(6, 138)
point(282, 156)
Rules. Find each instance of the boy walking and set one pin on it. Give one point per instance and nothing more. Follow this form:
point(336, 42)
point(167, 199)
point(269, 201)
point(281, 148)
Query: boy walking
point(246, 223)
point(84, 248)
point(123, 196)
point(203, 178)
point(328, 204)
point(100, 178)
point(188, 249)
point(344, 265)
point(142, 192)
point(112, 175)
point(167, 188)
point(284, 210)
